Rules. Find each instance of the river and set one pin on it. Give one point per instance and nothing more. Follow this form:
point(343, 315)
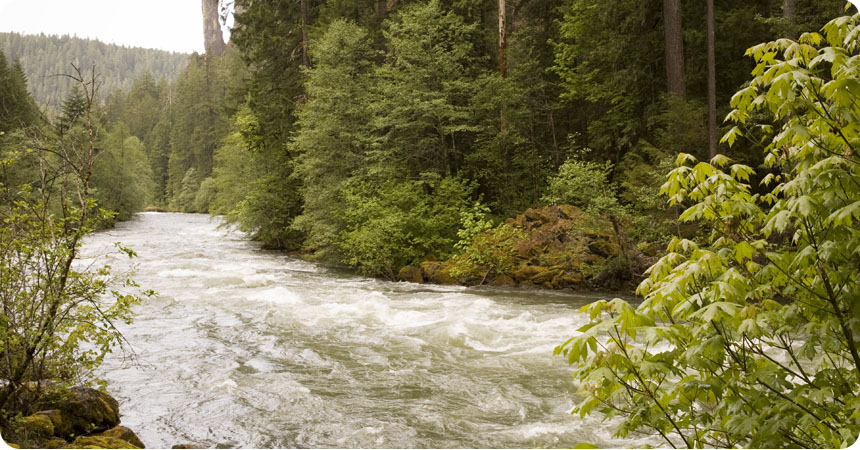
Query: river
point(251, 348)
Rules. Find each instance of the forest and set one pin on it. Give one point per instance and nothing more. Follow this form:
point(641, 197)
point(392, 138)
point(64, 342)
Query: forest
point(329, 128)
point(706, 153)
point(45, 58)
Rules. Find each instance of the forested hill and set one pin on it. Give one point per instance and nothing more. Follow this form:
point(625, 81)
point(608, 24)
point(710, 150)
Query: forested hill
point(43, 56)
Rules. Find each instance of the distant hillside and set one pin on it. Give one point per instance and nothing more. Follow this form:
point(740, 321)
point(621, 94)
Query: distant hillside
point(43, 56)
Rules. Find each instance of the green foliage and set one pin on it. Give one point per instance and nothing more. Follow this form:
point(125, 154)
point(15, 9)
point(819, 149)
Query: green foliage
point(397, 223)
point(17, 109)
point(44, 56)
point(484, 247)
point(197, 126)
point(750, 338)
point(58, 321)
point(254, 185)
point(583, 184)
point(122, 177)
point(425, 91)
point(205, 195)
point(234, 166)
point(603, 55)
point(184, 199)
point(333, 134)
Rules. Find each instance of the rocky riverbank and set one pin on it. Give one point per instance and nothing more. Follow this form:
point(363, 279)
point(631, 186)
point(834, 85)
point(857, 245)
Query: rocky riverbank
point(557, 247)
point(75, 418)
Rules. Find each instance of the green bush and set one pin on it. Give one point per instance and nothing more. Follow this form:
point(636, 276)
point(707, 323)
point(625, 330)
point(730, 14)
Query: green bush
point(400, 222)
point(748, 338)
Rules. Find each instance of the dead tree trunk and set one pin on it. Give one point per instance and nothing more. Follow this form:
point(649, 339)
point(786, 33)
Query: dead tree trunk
point(213, 40)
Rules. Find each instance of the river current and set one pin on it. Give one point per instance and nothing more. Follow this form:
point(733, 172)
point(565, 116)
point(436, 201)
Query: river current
point(244, 347)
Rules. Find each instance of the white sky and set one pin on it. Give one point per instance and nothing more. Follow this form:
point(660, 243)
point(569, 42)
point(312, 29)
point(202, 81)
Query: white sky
point(175, 25)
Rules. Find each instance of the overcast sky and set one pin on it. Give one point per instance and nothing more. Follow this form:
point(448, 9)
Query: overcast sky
point(175, 25)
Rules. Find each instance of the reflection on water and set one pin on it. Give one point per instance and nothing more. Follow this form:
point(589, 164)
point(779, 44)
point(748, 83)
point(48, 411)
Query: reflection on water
point(250, 348)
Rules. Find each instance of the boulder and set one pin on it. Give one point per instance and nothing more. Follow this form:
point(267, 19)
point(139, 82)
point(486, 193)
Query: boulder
point(411, 274)
point(185, 446)
point(537, 215)
point(55, 443)
point(60, 427)
point(80, 411)
point(121, 432)
point(438, 273)
point(571, 279)
point(545, 276)
point(100, 442)
point(502, 280)
point(602, 247)
point(527, 272)
point(37, 424)
point(567, 211)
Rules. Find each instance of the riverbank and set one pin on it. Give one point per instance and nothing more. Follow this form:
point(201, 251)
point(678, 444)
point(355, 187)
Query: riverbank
point(557, 248)
point(79, 417)
point(250, 348)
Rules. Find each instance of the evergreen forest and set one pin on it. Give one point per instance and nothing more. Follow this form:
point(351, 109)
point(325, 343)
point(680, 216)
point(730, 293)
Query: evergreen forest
point(45, 58)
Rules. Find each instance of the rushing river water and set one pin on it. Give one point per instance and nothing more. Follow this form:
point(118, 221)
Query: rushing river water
point(250, 348)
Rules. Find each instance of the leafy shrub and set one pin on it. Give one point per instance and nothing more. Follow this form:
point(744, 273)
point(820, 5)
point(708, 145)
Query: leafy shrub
point(399, 222)
point(749, 337)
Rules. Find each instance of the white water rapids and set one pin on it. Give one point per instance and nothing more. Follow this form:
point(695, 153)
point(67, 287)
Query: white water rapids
point(250, 348)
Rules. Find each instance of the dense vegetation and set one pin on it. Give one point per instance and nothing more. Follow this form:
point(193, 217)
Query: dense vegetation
point(748, 335)
point(44, 57)
point(372, 136)
point(389, 134)
point(58, 320)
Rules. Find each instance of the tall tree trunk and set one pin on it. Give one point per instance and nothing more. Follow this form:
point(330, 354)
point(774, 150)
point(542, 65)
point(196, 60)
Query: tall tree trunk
point(674, 40)
point(712, 84)
point(503, 39)
point(789, 13)
point(789, 10)
point(503, 58)
point(213, 40)
point(306, 57)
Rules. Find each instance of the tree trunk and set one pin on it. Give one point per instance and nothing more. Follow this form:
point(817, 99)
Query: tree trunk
point(503, 39)
point(674, 40)
point(712, 84)
point(503, 59)
point(789, 10)
point(213, 40)
point(789, 13)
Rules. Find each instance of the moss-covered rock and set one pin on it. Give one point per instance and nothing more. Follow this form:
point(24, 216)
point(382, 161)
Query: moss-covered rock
point(80, 411)
point(502, 280)
point(121, 432)
point(553, 248)
point(437, 272)
point(36, 425)
point(56, 417)
point(527, 272)
point(100, 442)
point(546, 276)
point(411, 274)
point(56, 443)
